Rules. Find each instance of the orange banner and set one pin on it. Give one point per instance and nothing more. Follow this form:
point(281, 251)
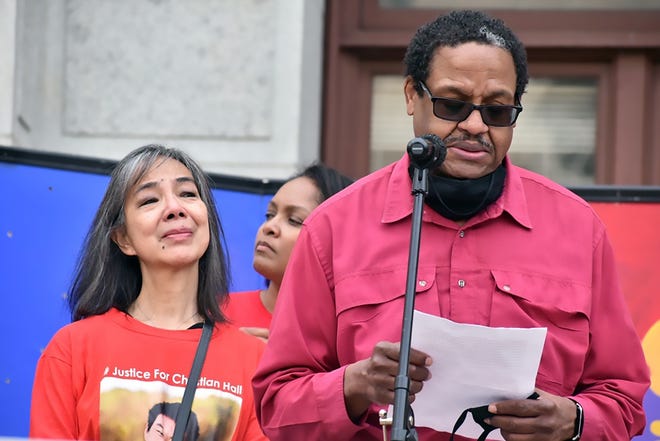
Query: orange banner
point(634, 229)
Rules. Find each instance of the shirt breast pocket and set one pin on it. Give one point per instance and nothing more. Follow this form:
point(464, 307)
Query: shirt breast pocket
point(369, 305)
point(562, 306)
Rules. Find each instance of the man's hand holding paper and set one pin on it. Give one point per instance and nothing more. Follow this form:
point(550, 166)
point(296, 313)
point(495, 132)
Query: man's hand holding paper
point(474, 366)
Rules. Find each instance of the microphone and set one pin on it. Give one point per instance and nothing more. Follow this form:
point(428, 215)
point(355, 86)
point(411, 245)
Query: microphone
point(427, 151)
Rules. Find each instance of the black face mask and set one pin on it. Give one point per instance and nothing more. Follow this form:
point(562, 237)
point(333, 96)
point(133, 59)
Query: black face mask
point(479, 414)
point(460, 199)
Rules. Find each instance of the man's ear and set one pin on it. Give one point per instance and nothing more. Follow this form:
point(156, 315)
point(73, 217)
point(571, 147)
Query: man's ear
point(120, 238)
point(411, 94)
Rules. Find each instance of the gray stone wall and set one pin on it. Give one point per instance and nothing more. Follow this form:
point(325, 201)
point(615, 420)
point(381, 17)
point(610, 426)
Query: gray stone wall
point(7, 47)
point(236, 83)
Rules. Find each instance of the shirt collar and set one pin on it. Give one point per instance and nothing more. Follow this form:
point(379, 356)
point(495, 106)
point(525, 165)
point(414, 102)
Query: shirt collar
point(399, 200)
point(514, 199)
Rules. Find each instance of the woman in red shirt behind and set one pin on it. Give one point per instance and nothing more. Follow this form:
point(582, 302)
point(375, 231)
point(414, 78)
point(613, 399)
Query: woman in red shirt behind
point(290, 206)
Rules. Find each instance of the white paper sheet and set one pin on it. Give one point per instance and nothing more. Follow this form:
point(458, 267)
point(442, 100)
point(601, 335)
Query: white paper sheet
point(472, 366)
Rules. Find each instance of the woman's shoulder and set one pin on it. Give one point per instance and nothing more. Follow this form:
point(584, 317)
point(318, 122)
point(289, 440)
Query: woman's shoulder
point(231, 332)
point(236, 341)
point(79, 333)
point(89, 324)
point(245, 308)
point(237, 301)
point(244, 296)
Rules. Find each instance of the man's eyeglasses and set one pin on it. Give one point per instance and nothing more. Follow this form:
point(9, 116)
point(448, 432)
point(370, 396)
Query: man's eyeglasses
point(496, 115)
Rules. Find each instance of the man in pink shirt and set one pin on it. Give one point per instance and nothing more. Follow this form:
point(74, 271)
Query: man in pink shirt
point(501, 246)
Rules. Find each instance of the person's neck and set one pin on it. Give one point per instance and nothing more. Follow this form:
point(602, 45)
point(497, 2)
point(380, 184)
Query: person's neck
point(269, 296)
point(459, 199)
point(167, 300)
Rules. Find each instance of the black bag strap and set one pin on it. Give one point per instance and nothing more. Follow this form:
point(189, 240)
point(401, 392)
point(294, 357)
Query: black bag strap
point(183, 414)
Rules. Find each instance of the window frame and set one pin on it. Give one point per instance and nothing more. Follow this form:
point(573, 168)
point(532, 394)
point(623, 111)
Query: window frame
point(622, 48)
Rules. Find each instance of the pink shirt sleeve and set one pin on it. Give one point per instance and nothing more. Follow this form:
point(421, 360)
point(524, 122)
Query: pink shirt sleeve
point(315, 384)
point(610, 389)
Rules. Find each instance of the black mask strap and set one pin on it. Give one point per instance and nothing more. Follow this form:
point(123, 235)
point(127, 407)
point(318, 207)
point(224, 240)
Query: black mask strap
point(479, 414)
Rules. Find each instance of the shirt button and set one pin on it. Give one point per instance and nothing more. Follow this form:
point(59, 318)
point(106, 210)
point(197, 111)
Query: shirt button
point(506, 288)
point(461, 283)
point(461, 233)
point(422, 283)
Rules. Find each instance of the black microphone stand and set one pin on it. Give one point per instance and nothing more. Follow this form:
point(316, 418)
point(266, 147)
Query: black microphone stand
point(422, 157)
